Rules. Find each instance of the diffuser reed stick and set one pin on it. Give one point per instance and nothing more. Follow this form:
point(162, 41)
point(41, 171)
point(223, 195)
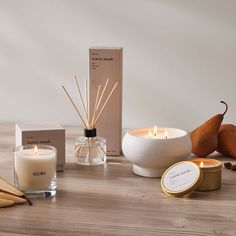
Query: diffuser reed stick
point(81, 98)
point(95, 105)
point(87, 101)
point(103, 91)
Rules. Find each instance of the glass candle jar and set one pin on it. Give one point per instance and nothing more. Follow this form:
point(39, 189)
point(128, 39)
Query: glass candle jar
point(35, 170)
point(90, 149)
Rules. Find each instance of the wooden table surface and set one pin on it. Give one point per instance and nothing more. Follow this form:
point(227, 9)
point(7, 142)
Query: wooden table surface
point(111, 200)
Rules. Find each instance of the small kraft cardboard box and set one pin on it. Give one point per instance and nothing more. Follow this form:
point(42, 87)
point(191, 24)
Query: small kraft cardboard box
point(107, 63)
point(48, 134)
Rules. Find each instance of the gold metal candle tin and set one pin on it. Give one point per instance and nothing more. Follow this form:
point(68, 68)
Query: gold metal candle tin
point(212, 173)
point(181, 178)
point(200, 174)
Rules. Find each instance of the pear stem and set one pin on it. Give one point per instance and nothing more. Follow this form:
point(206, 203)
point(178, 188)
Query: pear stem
point(26, 198)
point(226, 109)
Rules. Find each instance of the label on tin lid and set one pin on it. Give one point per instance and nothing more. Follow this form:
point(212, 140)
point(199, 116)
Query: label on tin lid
point(181, 178)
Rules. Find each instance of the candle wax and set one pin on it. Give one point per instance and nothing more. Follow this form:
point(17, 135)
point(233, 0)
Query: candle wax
point(161, 133)
point(205, 164)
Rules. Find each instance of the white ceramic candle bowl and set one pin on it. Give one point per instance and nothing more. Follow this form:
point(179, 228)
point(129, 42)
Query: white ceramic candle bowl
point(151, 156)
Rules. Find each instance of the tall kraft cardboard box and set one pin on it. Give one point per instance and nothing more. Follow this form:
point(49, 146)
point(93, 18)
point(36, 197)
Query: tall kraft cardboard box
point(107, 63)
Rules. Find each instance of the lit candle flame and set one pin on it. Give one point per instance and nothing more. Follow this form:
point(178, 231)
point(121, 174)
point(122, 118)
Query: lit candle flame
point(166, 134)
point(150, 134)
point(201, 164)
point(35, 150)
point(155, 130)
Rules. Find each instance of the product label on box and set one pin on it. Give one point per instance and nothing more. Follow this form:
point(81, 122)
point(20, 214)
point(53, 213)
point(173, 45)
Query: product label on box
point(30, 140)
point(180, 177)
point(96, 59)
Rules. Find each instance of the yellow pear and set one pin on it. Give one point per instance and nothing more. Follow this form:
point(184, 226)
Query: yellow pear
point(205, 137)
point(7, 196)
point(6, 203)
point(227, 140)
point(9, 188)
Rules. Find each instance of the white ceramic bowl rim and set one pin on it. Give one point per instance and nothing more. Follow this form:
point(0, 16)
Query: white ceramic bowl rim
point(140, 133)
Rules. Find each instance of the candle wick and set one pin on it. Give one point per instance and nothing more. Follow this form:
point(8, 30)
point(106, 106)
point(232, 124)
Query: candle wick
point(35, 150)
point(166, 137)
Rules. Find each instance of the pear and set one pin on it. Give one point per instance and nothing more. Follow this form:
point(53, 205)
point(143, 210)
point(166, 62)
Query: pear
point(7, 196)
point(6, 202)
point(227, 140)
point(9, 188)
point(205, 137)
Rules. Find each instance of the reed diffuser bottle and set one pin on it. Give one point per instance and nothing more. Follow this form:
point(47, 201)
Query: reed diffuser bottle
point(90, 149)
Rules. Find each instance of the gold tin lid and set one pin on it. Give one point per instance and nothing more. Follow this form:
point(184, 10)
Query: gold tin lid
point(181, 178)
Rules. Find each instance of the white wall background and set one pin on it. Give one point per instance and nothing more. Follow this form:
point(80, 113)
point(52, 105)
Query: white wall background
point(179, 57)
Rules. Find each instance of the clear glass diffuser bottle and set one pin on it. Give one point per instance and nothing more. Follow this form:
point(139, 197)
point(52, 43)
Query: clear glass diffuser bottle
point(90, 149)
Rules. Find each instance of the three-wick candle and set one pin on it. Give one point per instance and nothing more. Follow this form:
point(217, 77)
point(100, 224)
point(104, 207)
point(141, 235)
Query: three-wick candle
point(153, 150)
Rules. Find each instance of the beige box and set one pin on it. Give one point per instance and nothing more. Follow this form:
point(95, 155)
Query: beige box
point(48, 134)
point(107, 63)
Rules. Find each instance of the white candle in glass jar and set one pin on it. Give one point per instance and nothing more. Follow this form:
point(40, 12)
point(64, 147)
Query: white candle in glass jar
point(35, 168)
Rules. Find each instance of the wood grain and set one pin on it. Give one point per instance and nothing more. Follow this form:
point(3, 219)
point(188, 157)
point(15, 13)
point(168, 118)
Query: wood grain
point(111, 200)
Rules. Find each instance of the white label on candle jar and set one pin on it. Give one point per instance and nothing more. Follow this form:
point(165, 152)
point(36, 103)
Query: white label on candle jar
point(180, 177)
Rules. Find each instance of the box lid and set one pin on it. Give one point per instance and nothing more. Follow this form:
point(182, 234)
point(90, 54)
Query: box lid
point(27, 126)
